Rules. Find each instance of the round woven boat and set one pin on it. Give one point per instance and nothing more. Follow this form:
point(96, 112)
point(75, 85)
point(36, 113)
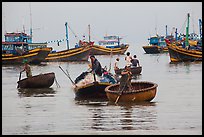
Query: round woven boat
point(142, 91)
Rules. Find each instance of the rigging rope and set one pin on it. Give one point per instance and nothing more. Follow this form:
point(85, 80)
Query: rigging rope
point(74, 33)
point(182, 28)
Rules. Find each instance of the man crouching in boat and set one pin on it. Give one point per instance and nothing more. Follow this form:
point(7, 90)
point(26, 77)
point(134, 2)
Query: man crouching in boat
point(96, 66)
point(27, 69)
point(125, 80)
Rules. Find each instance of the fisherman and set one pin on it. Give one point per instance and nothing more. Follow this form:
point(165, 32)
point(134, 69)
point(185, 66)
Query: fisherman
point(27, 68)
point(135, 61)
point(96, 66)
point(116, 64)
point(125, 80)
point(128, 59)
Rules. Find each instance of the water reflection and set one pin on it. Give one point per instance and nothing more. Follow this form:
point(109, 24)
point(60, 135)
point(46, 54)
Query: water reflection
point(39, 92)
point(184, 65)
point(138, 116)
point(108, 117)
point(92, 102)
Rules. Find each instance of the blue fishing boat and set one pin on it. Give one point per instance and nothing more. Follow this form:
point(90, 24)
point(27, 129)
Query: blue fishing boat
point(19, 46)
point(156, 45)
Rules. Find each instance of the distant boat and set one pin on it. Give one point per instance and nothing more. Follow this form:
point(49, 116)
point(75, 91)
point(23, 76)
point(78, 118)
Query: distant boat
point(70, 54)
point(142, 91)
point(156, 45)
point(109, 45)
point(74, 54)
point(16, 48)
point(180, 54)
point(100, 50)
point(134, 70)
point(187, 50)
point(38, 81)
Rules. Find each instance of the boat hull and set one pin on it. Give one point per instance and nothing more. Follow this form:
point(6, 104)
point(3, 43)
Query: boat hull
point(75, 54)
point(142, 91)
point(38, 81)
point(135, 71)
point(179, 54)
point(100, 50)
point(35, 56)
point(91, 91)
point(154, 49)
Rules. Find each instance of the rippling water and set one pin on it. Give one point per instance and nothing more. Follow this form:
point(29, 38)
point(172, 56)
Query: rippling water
point(176, 109)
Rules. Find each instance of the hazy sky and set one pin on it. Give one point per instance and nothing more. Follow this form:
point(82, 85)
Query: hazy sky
point(134, 21)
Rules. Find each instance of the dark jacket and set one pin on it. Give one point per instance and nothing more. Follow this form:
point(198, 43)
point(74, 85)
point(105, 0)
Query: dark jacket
point(96, 67)
point(134, 62)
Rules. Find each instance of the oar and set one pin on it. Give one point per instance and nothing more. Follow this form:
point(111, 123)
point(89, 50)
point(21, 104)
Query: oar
point(19, 79)
point(116, 101)
point(68, 76)
point(110, 61)
point(94, 77)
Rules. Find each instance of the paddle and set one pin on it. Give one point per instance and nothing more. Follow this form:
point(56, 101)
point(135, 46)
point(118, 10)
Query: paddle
point(94, 77)
point(19, 79)
point(116, 101)
point(67, 74)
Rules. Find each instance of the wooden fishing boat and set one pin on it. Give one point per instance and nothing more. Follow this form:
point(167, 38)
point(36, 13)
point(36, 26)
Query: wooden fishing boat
point(156, 45)
point(179, 54)
point(134, 70)
point(70, 54)
point(88, 86)
point(38, 81)
point(111, 44)
point(101, 50)
point(142, 91)
point(17, 47)
point(183, 52)
point(35, 56)
point(91, 91)
point(74, 54)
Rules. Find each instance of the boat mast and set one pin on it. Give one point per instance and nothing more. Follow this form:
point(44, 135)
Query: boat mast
point(118, 41)
point(166, 31)
point(67, 36)
point(89, 33)
point(31, 32)
point(187, 30)
point(176, 34)
point(200, 27)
